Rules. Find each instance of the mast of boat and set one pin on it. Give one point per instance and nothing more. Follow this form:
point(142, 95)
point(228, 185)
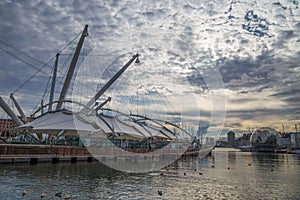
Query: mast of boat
point(9, 111)
point(112, 80)
point(71, 68)
point(53, 83)
point(18, 107)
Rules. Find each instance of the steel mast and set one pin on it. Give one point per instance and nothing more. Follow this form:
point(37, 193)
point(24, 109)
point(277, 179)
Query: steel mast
point(71, 69)
point(112, 80)
point(53, 83)
point(9, 111)
point(18, 108)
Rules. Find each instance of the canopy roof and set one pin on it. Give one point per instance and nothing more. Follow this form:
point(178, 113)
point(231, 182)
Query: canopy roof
point(54, 122)
point(72, 123)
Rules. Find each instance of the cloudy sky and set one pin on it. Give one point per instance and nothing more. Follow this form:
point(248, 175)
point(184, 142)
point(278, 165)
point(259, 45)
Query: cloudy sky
point(204, 58)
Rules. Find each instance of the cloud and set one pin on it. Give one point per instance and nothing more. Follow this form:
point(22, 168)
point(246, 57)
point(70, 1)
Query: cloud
point(191, 48)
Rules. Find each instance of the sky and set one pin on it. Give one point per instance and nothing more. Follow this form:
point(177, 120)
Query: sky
point(228, 64)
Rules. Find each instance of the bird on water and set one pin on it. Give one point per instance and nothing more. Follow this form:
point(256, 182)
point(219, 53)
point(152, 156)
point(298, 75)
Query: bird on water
point(25, 192)
point(159, 192)
point(58, 194)
point(43, 195)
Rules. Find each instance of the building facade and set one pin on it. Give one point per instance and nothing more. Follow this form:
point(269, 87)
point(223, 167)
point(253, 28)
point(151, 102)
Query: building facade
point(6, 125)
point(231, 138)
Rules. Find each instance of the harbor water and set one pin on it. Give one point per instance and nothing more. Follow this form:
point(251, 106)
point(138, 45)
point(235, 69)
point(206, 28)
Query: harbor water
point(227, 174)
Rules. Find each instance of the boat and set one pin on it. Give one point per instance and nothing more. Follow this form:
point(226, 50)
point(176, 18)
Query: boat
point(246, 148)
point(293, 151)
point(282, 150)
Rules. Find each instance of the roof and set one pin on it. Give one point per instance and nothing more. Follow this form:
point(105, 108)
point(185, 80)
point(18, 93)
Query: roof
point(72, 123)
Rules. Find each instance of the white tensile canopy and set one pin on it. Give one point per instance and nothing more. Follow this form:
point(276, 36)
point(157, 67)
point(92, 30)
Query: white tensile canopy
point(53, 122)
point(72, 123)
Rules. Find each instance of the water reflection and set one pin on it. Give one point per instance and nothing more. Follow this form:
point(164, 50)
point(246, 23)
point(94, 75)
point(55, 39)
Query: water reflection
point(232, 157)
point(235, 175)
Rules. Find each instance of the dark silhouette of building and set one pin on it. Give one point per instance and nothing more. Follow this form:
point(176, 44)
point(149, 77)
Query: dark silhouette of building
point(231, 138)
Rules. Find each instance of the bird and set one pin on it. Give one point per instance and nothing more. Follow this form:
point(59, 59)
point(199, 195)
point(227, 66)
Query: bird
point(184, 173)
point(159, 192)
point(161, 173)
point(249, 164)
point(43, 195)
point(67, 197)
point(58, 194)
point(272, 170)
point(212, 166)
point(195, 170)
point(25, 192)
point(228, 168)
point(200, 173)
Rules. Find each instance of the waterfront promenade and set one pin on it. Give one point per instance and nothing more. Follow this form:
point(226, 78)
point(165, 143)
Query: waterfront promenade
point(34, 154)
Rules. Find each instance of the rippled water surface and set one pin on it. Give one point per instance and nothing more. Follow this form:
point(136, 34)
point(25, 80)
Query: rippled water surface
point(224, 175)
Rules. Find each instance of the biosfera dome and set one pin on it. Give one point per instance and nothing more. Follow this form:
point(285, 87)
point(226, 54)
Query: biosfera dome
point(265, 135)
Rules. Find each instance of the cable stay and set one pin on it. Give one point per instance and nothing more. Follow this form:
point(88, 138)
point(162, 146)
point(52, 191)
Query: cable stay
point(91, 110)
point(9, 50)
